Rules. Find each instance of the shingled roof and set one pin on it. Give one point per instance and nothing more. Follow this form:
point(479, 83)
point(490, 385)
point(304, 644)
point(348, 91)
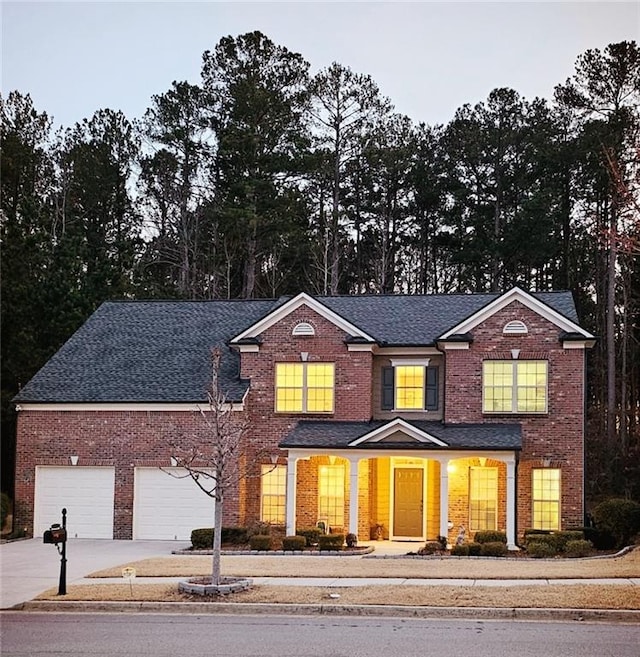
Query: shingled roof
point(318, 434)
point(158, 351)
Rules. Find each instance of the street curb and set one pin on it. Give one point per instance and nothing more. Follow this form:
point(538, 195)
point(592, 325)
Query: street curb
point(400, 611)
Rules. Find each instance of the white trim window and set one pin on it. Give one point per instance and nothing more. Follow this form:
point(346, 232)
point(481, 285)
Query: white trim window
point(410, 386)
point(304, 387)
point(514, 386)
point(545, 497)
point(483, 498)
point(331, 481)
point(273, 493)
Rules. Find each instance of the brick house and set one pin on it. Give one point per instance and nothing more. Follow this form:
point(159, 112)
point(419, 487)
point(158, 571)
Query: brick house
point(409, 415)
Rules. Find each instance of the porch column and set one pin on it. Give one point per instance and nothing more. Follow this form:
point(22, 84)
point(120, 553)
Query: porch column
point(290, 502)
point(353, 495)
point(444, 497)
point(511, 505)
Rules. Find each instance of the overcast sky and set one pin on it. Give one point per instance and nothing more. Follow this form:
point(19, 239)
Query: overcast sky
point(429, 58)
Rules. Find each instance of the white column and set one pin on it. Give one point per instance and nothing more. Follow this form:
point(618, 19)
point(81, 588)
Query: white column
point(353, 495)
point(444, 497)
point(511, 505)
point(290, 502)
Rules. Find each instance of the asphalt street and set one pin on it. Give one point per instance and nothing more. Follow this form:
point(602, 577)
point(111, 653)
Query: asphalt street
point(167, 635)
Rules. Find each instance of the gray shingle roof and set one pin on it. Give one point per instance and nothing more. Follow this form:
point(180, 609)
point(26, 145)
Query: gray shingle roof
point(338, 435)
point(149, 351)
point(158, 351)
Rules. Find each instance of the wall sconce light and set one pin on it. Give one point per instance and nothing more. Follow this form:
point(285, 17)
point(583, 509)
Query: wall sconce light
point(74, 459)
point(174, 461)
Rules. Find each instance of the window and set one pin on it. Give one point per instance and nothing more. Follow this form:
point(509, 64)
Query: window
point(304, 387)
point(410, 387)
point(546, 498)
point(331, 494)
point(483, 498)
point(510, 386)
point(274, 487)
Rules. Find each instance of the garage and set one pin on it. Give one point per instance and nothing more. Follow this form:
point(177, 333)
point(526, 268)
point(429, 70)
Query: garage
point(86, 493)
point(167, 505)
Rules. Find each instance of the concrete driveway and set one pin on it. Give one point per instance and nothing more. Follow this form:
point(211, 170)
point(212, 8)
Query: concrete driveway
point(29, 567)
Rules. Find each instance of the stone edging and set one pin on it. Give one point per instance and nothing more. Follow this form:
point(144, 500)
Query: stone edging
point(280, 553)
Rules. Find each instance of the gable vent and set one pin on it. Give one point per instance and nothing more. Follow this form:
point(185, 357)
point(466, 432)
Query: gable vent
point(303, 328)
point(515, 328)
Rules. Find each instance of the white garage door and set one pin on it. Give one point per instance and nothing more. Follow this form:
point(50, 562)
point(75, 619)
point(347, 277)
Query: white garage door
point(86, 493)
point(166, 507)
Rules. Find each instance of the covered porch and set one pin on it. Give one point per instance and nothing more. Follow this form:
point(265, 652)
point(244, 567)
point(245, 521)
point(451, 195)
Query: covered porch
point(397, 481)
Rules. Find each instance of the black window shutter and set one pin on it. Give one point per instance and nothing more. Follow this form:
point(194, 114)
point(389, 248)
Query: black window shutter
point(431, 397)
point(388, 388)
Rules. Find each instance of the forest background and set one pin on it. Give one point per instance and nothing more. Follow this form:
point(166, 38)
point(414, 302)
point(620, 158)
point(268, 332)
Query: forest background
point(264, 180)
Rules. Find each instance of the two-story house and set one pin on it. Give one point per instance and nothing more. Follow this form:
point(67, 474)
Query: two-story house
point(414, 414)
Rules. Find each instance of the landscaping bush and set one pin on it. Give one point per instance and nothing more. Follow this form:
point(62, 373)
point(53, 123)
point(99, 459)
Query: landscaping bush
point(541, 549)
point(490, 536)
point(351, 540)
point(202, 539)
point(330, 541)
point(493, 549)
point(5, 505)
point(261, 542)
point(564, 537)
point(311, 535)
point(291, 543)
point(599, 538)
point(460, 551)
point(430, 547)
point(542, 537)
point(619, 517)
point(475, 549)
point(578, 548)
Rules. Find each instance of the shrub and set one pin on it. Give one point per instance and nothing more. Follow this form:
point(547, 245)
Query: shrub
point(599, 538)
point(5, 505)
point(490, 536)
point(351, 540)
point(291, 543)
point(546, 538)
point(563, 537)
point(578, 548)
point(619, 517)
point(430, 547)
point(311, 535)
point(330, 541)
point(540, 550)
point(493, 549)
point(475, 549)
point(202, 539)
point(261, 542)
point(460, 551)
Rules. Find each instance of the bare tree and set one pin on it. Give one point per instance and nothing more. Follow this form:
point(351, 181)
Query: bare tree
point(214, 458)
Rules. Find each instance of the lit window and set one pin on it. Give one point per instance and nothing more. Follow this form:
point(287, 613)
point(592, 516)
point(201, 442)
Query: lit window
point(483, 498)
point(546, 498)
point(274, 486)
point(514, 386)
point(304, 387)
point(331, 494)
point(409, 387)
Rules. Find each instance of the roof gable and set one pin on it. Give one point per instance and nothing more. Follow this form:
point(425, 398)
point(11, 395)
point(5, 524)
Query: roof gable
point(387, 433)
point(516, 294)
point(293, 304)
